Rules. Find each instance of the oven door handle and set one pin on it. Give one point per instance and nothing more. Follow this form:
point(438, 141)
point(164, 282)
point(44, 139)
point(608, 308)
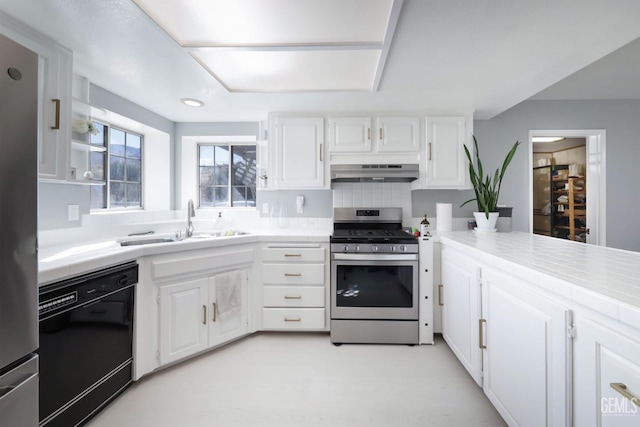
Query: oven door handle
point(374, 257)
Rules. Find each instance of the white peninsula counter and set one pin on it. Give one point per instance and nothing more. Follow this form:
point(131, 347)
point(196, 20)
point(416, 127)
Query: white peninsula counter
point(547, 327)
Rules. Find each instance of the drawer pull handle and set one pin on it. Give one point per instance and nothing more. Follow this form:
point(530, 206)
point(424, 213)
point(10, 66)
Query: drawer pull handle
point(57, 125)
point(292, 255)
point(622, 389)
point(292, 319)
point(293, 274)
point(293, 297)
point(204, 314)
point(440, 294)
point(215, 310)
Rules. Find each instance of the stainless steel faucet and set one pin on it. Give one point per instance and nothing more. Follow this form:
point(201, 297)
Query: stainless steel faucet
point(191, 212)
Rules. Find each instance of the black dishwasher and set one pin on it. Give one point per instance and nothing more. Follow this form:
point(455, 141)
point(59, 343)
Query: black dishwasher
point(86, 340)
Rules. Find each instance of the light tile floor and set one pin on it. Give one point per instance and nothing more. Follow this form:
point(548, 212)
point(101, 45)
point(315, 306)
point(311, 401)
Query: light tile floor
point(302, 380)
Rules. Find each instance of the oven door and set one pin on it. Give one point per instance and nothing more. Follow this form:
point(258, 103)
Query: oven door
point(372, 286)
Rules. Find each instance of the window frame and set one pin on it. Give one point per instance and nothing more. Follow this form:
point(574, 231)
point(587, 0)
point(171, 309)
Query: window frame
point(230, 145)
point(107, 169)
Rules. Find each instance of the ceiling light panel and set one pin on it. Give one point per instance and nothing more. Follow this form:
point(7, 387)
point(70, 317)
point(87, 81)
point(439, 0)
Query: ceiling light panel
point(270, 22)
point(291, 71)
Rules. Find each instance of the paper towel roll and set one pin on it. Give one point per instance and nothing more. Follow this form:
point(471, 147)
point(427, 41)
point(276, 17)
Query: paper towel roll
point(443, 216)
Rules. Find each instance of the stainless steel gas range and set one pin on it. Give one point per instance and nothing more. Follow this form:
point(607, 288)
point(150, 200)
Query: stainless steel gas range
point(374, 278)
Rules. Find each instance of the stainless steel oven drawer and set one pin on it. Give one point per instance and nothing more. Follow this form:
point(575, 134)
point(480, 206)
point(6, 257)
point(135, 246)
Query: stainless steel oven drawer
point(293, 274)
point(290, 296)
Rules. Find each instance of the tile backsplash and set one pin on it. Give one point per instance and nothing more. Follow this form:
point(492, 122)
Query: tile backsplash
point(373, 194)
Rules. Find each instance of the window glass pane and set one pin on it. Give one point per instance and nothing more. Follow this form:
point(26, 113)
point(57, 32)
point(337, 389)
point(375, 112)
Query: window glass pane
point(98, 138)
point(221, 174)
point(133, 194)
point(116, 144)
point(206, 175)
point(206, 155)
point(221, 154)
point(133, 146)
point(221, 196)
point(116, 194)
point(244, 165)
point(117, 168)
point(96, 165)
point(97, 197)
point(206, 196)
point(133, 170)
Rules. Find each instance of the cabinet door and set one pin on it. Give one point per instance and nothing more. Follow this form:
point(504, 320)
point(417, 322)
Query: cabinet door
point(55, 111)
point(446, 160)
point(183, 319)
point(607, 375)
point(525, 357)
point(349, 134)
point(437, 289)
point(299, 153)
point(398, 134)
point(228, 302)
point(461, 309)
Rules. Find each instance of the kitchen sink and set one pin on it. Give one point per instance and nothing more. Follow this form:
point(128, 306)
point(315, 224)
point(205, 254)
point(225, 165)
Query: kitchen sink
point(136, 242)
point(215, 234)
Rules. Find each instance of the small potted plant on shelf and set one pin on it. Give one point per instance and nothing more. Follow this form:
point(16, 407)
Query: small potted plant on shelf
point(486, 188)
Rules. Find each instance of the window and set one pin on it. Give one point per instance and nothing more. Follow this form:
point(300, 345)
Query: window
point(121, 163)
point(227, 175)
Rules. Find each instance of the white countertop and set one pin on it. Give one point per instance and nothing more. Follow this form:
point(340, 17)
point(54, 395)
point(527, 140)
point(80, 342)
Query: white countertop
point(61, 262)
point(604, 279)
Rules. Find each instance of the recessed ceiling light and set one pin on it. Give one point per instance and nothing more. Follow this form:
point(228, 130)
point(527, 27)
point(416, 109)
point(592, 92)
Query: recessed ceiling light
point(547, 138)
point(192, 102)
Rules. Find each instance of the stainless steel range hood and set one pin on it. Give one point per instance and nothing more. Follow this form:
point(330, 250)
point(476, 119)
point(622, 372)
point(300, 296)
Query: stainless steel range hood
point(374, 173)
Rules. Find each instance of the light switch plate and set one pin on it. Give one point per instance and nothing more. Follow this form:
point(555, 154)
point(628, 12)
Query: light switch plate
point(73, 212)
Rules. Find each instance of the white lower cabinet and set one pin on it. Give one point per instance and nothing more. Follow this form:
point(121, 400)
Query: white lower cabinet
point(295, 288)
point(202, 313)
point(511, 339)
point(524, 340)
point(460, 296)
point(606, 375)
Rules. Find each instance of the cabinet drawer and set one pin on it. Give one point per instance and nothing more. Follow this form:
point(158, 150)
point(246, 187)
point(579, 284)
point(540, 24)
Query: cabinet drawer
point(293, 274)
point(293, 318)
point(290, 296)
point(293, 254)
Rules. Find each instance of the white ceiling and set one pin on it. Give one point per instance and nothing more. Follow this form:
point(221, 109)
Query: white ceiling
point(447, 57)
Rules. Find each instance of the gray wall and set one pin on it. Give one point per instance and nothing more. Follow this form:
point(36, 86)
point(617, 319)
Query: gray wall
point(424, 201)
point(317, 203)
point(620, 119)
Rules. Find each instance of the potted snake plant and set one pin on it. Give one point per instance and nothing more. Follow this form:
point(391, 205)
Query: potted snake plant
point(486, 187)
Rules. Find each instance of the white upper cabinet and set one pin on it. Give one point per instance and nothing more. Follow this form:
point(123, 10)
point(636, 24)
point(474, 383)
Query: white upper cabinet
point(398, 134)
point(54, 97)
point(391, 135)
point(349, 134)
point(446, 163)
point(299, 153)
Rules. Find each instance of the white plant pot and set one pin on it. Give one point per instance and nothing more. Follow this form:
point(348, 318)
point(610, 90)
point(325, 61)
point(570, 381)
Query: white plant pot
point(482, 223)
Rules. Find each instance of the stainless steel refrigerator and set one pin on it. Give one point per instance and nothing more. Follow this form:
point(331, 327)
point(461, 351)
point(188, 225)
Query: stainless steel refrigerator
point(18, 230)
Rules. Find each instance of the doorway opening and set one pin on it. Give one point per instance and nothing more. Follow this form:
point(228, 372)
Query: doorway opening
point(567, 196)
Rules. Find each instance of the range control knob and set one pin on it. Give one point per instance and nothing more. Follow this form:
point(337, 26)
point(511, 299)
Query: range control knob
point(403, 248)
point(356, 248)
point(392, 248)
point(374, 248)
point(345, 248)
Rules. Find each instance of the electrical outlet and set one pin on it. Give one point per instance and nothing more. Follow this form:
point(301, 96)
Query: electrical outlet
point(73, 212)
